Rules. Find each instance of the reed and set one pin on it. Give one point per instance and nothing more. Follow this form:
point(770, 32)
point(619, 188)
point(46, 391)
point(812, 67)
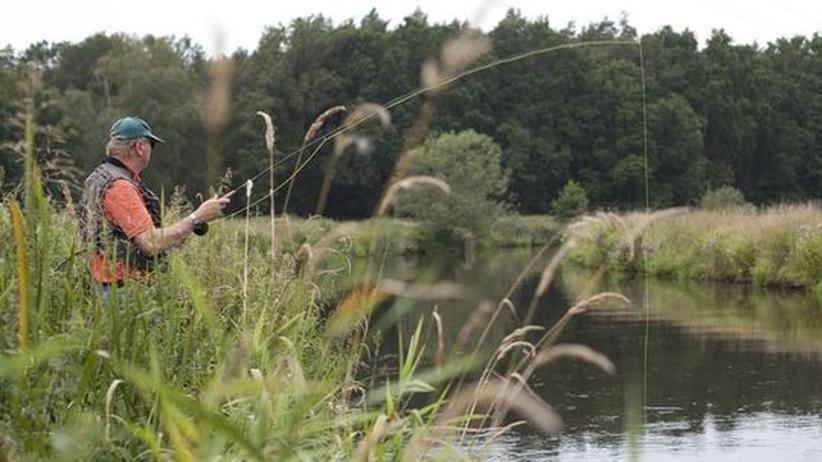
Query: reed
point(776, 246)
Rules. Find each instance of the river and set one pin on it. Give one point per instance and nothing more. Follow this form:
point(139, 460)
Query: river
point(709, 372)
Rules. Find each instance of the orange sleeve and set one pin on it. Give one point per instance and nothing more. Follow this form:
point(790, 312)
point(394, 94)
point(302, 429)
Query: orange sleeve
point(123, 205)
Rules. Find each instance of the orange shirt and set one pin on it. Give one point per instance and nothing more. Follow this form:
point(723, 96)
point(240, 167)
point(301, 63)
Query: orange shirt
point(123, 206)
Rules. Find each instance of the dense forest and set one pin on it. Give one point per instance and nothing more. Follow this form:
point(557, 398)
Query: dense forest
point(718, 113)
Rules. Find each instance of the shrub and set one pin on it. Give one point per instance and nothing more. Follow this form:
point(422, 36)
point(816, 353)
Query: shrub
point(470, 163)
point(721, 198)
point(572, 201)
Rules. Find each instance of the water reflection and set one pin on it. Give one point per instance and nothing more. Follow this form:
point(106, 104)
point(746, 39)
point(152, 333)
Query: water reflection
point(709, 372)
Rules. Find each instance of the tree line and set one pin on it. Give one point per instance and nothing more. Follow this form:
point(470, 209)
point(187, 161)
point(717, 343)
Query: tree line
point(717, 114)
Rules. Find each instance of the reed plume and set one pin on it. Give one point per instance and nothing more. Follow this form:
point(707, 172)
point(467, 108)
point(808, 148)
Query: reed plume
point(359, 115)
point(269, 144)
point(217, 112)
point(315, 127)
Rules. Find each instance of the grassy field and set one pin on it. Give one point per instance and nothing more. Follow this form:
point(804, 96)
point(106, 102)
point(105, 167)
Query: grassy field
point(232, 352)
point(779, 246)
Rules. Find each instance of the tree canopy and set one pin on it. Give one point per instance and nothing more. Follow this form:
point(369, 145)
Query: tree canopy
point(727, 114)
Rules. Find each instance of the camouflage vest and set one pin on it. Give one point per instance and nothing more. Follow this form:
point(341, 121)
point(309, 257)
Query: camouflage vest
point(99, 232)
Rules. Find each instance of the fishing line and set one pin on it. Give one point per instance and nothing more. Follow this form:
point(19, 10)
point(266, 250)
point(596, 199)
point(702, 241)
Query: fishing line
point(415, 93)
point(646, 295)
point(281, 185)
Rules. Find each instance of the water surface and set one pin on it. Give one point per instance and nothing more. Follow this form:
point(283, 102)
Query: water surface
point(704, 371)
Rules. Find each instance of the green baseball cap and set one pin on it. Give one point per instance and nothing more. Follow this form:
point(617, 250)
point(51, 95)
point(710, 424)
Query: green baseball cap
point(129, 128)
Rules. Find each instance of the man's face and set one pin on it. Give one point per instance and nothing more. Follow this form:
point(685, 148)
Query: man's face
point(142, 150)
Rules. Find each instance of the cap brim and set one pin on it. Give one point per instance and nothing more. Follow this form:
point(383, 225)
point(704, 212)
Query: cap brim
point(154, 137)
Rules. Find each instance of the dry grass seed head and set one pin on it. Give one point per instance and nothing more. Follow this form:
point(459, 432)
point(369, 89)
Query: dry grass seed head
point(590, 302)
point(477, 319)
point(532, 408)
point(320, 121)
point(382, 429)
point(574, 351)
point(410, 182)
point(439, 357)
point(507, 303)
point(458, 53)
point(520, 333)
point(530, 350)
point(109, 399)
point(320, 249)
point(367, 111)
point(437, 291)
point(547, 275)
point(269, 131)
point(358, 116)
point(455, 55)
point(218, 98)
point(353, 308)
point(630, 236)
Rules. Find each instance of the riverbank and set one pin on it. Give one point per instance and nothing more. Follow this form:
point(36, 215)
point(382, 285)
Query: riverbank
point(777, 246)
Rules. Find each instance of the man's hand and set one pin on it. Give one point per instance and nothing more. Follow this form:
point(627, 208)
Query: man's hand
point(156, 240)
point(213, 208)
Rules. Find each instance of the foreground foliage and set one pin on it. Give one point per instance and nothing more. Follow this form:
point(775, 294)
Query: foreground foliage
point(196, 362)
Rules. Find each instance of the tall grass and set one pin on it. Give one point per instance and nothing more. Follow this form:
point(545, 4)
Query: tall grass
point(178, 371)
point(780, 245)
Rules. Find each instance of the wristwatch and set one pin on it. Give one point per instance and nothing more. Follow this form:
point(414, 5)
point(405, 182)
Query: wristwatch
point(199, 226)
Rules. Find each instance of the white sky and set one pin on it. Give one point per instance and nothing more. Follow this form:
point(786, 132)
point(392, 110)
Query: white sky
point(241, 22)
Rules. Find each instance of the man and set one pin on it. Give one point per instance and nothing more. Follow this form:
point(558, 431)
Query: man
point(121, 220)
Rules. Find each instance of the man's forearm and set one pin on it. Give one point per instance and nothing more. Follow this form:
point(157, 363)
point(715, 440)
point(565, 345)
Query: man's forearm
point(159, 240)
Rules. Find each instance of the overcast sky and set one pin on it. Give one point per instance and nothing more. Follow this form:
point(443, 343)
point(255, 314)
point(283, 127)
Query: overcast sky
point(241, 22)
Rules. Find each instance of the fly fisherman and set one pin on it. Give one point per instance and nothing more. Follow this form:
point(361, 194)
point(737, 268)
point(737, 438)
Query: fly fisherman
point(121, 216)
